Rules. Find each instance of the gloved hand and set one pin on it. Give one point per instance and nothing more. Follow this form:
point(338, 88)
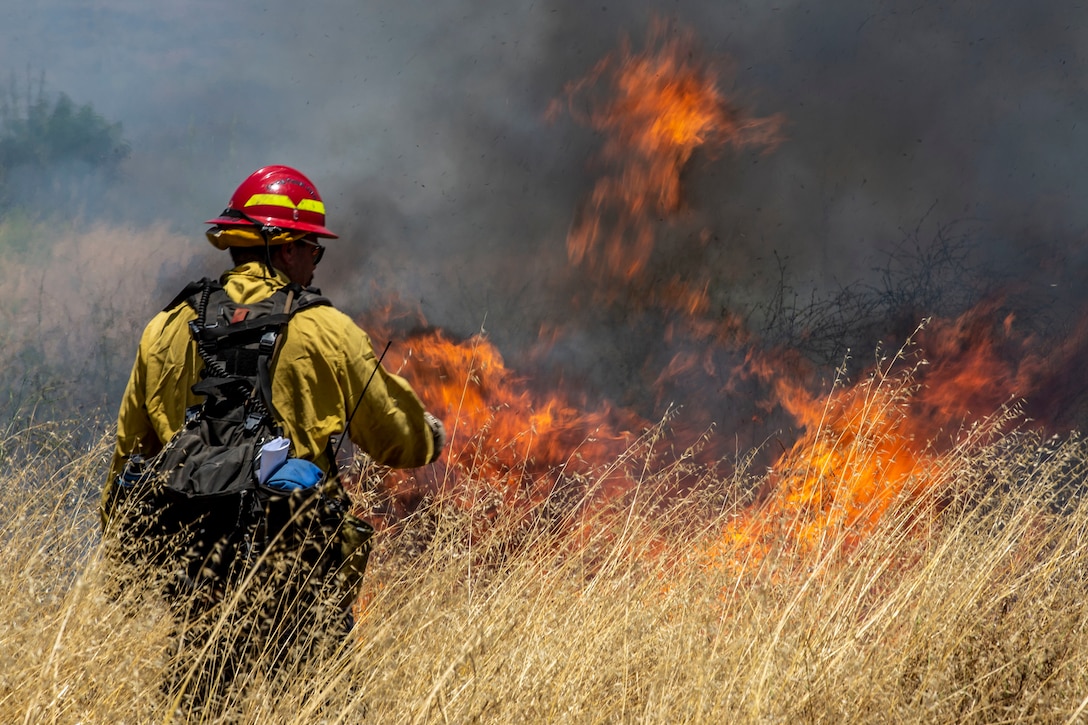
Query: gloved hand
point(438, 433)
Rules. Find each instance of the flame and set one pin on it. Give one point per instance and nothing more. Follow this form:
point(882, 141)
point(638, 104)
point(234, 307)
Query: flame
point(859, 449)
point(508, 443)
point(881, 442)
point(655, 109)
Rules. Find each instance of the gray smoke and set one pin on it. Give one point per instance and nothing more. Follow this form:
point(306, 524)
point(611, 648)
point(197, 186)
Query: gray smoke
point(423, 126)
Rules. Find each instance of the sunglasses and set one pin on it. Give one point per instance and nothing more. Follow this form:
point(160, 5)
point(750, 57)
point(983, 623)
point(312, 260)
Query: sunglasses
point(317, 249)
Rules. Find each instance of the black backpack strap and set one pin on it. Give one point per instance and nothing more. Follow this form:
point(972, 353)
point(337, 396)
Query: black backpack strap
point(270, 347)
point(244, 332)
point(198, 329)
point(189, 294)
point(264, 331)
point(298, 298)
point(309, 297)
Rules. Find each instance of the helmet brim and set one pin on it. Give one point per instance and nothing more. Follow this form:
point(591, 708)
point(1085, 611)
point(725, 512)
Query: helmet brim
point(299, 226)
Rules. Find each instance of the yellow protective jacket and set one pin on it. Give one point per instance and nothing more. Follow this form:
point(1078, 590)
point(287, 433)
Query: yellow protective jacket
point(321, 369)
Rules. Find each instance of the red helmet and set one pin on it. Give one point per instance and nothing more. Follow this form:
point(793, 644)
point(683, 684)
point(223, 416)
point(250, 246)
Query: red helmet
point(276, 196)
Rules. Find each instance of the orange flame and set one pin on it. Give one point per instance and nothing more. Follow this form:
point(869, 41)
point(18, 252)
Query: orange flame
point(859, 450)
point(868, 446)
point(656, 109)
point(506, 442)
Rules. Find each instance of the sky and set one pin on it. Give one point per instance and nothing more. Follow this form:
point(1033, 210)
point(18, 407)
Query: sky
point(424, 126)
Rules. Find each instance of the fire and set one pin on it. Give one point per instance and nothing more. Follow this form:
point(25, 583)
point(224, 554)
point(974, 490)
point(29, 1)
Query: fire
point(857, 456)
point(880, 442)
point(858, 450)
point(655, 109)
point(508, 443)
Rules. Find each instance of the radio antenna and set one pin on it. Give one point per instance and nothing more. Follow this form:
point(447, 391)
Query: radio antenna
point(347, 425)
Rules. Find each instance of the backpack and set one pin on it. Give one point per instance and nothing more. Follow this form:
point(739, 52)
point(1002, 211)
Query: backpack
point(198, 516)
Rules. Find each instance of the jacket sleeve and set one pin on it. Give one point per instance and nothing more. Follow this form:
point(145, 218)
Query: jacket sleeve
point(134, 430)
point(389, 423)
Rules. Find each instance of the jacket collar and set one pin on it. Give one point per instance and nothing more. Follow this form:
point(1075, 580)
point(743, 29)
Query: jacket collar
point(251, 282)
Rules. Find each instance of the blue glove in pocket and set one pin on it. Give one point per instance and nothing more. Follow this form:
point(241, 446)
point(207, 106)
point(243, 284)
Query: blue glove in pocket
point(294, 475)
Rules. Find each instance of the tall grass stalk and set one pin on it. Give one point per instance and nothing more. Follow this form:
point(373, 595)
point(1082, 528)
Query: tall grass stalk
point(966, 602)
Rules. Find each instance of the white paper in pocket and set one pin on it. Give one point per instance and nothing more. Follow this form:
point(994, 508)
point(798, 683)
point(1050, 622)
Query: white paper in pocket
point(273, 455)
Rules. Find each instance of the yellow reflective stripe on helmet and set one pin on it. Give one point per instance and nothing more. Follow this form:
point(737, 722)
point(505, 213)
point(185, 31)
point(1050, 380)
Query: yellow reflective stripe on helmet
point(270, 200)
point(311, 205)
point(285, 201)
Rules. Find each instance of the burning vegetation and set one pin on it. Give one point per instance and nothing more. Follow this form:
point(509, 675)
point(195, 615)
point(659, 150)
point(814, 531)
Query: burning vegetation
point(756, 536)
point(840, 448)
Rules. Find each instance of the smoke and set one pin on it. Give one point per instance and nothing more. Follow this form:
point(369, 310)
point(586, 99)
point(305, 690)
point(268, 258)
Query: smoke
point(423, 125)
point(75, 299)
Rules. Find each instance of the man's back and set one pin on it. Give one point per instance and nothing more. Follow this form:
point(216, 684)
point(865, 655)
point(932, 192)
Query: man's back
point(321, 370)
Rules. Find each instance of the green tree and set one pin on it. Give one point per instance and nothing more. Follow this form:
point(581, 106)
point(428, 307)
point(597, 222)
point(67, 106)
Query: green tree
point(50, 145)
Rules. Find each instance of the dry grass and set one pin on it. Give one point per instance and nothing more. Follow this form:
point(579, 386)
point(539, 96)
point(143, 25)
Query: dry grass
point(966, 604)
point(74, 301)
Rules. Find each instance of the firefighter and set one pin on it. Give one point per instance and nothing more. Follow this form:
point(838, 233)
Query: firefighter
point(272, 228)
point(325, 381)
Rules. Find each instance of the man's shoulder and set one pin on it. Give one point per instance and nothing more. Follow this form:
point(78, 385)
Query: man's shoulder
point(167, 325)
point(328, 329)
point(187, 294)
point(321, 311)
